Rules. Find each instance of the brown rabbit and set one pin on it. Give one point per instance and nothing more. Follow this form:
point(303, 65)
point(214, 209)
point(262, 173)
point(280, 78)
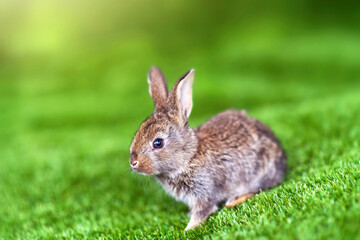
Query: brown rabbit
point(229, 158)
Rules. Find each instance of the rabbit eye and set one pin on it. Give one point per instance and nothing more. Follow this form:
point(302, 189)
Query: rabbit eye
point(158, 143)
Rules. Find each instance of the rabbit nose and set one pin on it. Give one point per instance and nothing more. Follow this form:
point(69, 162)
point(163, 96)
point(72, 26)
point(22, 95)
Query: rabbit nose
point(133, 161)
point(134, 164)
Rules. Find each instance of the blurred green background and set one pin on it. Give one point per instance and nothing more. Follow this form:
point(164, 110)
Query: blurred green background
point(73, 92)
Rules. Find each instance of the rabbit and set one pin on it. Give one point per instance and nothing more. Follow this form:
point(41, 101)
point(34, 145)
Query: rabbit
point(227, 160)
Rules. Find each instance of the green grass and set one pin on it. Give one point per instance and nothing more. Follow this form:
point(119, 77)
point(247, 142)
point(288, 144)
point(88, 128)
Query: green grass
point(65, 173)
point(68, 114)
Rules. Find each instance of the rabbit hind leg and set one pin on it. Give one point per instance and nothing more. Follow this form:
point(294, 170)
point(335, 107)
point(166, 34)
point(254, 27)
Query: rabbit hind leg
point(237, 199)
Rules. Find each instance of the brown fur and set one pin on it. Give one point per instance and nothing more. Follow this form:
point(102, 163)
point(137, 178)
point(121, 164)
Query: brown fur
point(229, 156)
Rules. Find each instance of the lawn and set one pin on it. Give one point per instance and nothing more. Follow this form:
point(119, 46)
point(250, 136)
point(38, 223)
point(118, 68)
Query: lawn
point(67, 119)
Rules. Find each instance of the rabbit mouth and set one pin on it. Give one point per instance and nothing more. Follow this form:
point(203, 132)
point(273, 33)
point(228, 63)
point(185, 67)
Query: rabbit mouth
point(143, 172)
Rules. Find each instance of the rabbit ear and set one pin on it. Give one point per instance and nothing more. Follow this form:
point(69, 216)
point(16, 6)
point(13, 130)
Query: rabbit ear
point(157, 88)
point(180, 99)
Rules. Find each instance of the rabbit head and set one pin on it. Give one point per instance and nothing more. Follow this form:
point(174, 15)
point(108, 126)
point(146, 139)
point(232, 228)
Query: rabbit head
point(164, 142)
